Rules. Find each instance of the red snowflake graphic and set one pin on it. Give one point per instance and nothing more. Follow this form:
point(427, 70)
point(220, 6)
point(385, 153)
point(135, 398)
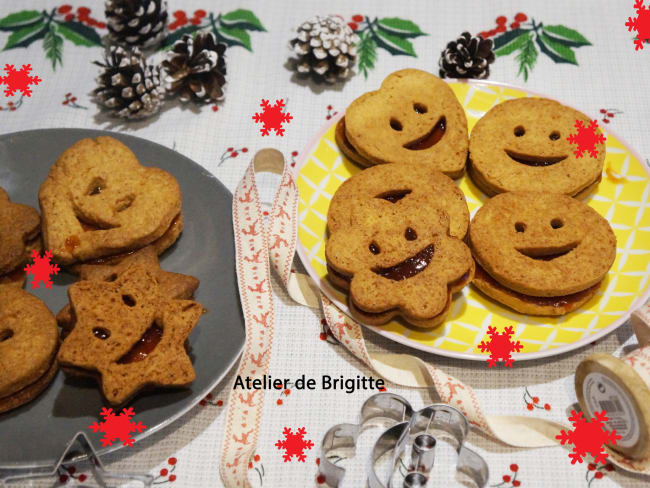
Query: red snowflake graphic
point(588, 437)
point(272, 117)
point(294, 444)
point(117, 426)
point(500, 346)
point(42, 269)
point(586, 139)
point(19, 80)
point(640, 24)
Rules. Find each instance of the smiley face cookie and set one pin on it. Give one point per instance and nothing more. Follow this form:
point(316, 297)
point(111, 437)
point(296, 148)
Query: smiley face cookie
point(99, 201)
point(128, 335)
point(20, 228)
point(29, 339)
point(414, 117)
point(540, 253)
point(396, 258)
point(521, 145)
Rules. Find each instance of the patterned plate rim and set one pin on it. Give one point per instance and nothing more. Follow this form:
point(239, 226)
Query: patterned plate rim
point(327, 289)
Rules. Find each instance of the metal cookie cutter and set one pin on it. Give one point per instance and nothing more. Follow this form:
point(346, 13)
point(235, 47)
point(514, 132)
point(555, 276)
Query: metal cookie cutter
point(404, 428)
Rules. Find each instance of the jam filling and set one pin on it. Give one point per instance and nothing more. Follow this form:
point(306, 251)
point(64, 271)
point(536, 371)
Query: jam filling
point(409, 267)
point(393, 196)
point(534, 160)
point(430, 138)
point(144, 346)
point(555, 302)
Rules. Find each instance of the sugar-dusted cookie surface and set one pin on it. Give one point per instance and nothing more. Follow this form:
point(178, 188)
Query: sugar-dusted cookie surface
point(542, 244)
point(19, 230)
point(394, 182)
point(396, 259)
point(98, 200)
point(129, 335)
point(29, 339)
point(414, 117)
point(521, 145)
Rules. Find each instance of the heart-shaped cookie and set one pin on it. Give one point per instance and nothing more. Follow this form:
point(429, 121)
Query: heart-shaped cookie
point(99, 201)
point(414, 117)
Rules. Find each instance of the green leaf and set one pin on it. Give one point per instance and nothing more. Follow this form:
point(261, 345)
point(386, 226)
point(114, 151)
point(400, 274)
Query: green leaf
point(178, 33)
point(394, 44)
point(242, 18)
point(527, 56)
point(25, 36)
point(367, 51)
point(234, 36)
point(400, 27)
point(20, 19)
point(564, 34)
point(507, 37)
point(79, 34)
point(558, 52)
point(53, 45)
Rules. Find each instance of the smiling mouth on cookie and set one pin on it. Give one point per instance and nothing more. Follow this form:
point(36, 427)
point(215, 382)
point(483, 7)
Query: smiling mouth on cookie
point(430, 138)
point(534, 160)
point(409, 267)
point(541, 255)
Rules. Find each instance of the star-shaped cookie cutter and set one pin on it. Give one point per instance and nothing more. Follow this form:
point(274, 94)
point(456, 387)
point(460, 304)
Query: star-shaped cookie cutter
point(103, 478)
point(404, 426)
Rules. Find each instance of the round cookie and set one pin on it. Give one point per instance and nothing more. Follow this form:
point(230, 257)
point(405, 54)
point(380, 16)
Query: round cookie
point(521, 145)
point(29, 340)
point(396, 258)
point(532, 244)
point(414, 117)
point(402, 182)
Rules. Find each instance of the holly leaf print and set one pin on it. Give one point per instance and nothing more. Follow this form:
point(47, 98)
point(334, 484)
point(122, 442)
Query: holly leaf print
point(395, 45)
point(367, 49)
point(400, 27)
point(527, 56)
point(25, 36)
point(557, 51)
point(234, 36)
point(566, 36)
point(20, 19)
point(242, 18)
point(53, 46)
point(79, 34)
point(504, 42)
point(177, 34)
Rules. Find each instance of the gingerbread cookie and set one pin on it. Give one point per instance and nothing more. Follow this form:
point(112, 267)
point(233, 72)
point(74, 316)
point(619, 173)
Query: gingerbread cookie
point(521, 145)
point(396, 258)
point(129, 335)
point(414, 117)
point(28, 342)
point(20, 228)
point(392, 183)
point(172, 285)
point(99, 201)
point(540, 253)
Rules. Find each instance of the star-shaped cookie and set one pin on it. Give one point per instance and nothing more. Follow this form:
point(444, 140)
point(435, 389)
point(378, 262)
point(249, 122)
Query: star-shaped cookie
point(172, 285)
point(129, 334)
point(19, 229)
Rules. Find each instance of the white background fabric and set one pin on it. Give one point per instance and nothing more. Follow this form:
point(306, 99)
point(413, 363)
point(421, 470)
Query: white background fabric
point(610, 74)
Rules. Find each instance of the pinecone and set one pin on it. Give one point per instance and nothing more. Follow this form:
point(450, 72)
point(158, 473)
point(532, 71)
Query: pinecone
point(139, 23)
point(127, 85)
point(467, 57)
point(326, 48)
point(196, 68)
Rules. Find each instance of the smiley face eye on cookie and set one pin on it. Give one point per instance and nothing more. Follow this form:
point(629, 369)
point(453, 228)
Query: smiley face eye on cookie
point(521, 145)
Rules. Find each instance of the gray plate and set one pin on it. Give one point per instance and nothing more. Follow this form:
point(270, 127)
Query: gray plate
point(36, 434)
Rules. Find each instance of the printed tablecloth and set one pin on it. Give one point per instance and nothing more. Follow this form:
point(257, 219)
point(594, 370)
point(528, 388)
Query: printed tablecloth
point(605, 78)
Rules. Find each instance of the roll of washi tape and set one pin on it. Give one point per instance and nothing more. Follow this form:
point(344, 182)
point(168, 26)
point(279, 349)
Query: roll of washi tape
point(621, 387)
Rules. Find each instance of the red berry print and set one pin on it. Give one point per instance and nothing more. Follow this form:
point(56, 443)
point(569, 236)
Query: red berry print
point(83, 11)
point(501, 20)
point(514, 25)
point(502, 28)
point(172, 461)
point(195, 21)
point(506, 478)
point(603, 111)
point(233, 154)
point(287, 391)
point(250, 465)
point(521, 17)
point(320, 479)
point(230, 149)
point(256, 458)
point(547, 406)
point(63, 478)
point(219, 403)
point(317, 461)
point(591, 466)
point(172, 478)
point(244, 149)
point(530, 406)
point(163, 472)
point(514, 468)
point(516, 483)
point(610, 467)
point(294, 153)
point(180, 14)
point(535, 399)
point(69, 17)
point(82, 477)
point(353, 25)
point(64, 9)
point(200, 13)
point(323, 336)
point(279, 402)
point(357, 18)
point(598, 475)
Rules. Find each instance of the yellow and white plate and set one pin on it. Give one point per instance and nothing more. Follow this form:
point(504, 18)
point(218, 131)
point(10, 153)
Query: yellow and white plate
point(623, 198)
